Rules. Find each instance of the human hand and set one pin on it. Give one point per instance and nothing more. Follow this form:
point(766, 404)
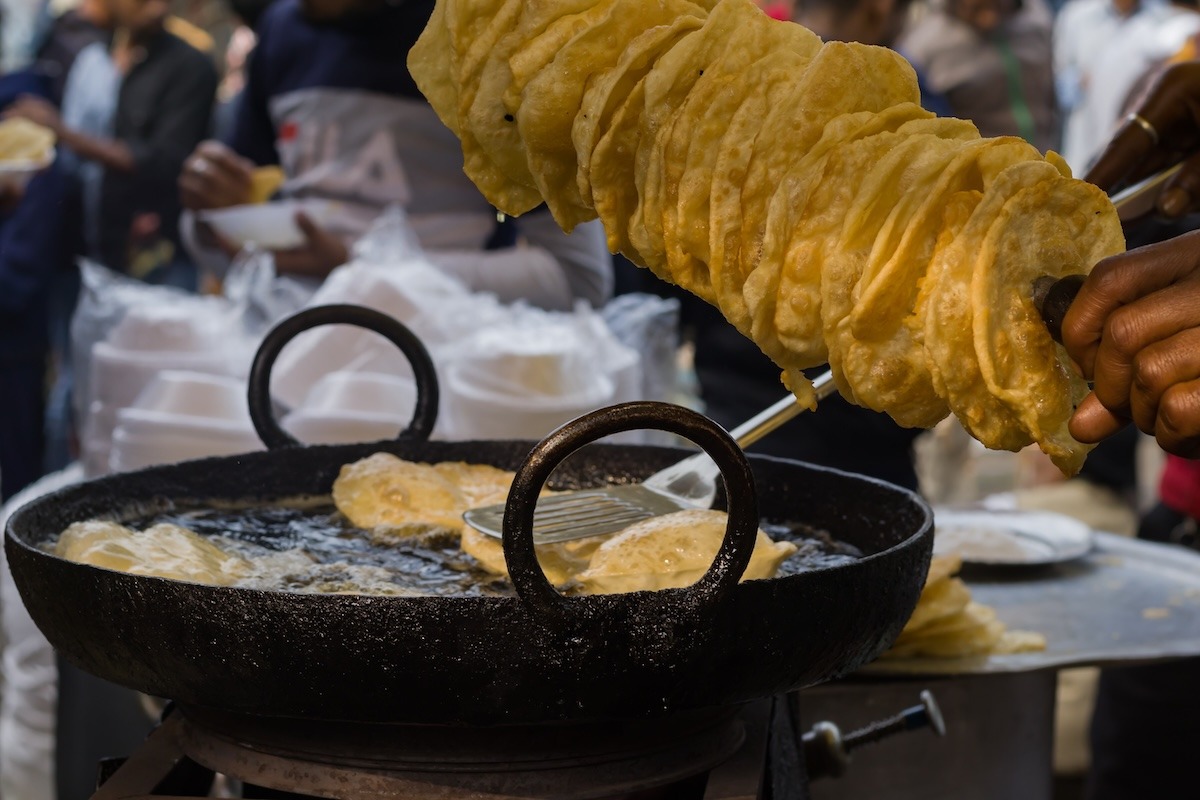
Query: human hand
point(36, 110)
point(214, 176)
point(1163, 131)
point(321, 253)
point(10, 198)
point(1134, 329)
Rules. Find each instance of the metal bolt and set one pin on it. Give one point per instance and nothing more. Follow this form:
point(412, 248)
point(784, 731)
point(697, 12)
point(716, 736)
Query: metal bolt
point(926, 714)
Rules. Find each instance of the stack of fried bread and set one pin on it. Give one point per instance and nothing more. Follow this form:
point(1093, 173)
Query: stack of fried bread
point(796, 185)
point(24, 142)
point(947, 623)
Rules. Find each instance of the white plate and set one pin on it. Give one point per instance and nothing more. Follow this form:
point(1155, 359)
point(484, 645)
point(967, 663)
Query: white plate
point(271, 226)
point(17, 174)
point(1009, 537)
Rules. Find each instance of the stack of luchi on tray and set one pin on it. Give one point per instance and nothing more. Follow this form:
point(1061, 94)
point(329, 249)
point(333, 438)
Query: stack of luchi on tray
point(947, 623)
point(796, 185)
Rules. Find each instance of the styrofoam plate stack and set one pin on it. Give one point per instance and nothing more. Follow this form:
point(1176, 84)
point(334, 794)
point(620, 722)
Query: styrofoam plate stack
point(181, 416)
point(149, 340)
point(344, 407)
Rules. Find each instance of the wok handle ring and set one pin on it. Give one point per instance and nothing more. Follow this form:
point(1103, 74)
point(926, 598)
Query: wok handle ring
point(740, 533)
point(259, 394)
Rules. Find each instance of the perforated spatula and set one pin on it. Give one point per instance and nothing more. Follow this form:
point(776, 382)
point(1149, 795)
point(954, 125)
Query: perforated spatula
point(691, 483)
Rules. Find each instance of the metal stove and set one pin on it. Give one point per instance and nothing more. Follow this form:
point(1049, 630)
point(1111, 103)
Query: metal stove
point(716, 754)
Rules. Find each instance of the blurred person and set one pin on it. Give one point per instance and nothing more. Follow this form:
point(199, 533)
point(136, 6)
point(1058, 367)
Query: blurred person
point(242, 41)
point(69, 26)
point(132, 111)
point(134, 106)
point(1134, 330)
point(18, 33)
point(1085, 32)
point(778, 10)
point(31, 253)
point(871, 22)
point(1146, 42)
point(992, 61)
point(328, 97)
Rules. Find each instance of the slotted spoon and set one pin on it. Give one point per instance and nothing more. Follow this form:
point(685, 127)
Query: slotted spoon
point(691, 483)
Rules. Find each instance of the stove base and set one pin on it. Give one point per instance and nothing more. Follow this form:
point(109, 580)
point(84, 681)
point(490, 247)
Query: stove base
point(712, 755)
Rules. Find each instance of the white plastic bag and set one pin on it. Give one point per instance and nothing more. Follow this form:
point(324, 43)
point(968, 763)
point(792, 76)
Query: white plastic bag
point(260, 296)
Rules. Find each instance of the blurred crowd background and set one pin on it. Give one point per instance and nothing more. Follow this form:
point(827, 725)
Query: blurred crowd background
point(1059, 73)
point(162, 108)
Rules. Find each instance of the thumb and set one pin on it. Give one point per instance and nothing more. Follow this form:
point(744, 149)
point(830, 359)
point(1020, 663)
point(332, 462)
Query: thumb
point(309, 228)
point(1182, 192)
point(1092, 422)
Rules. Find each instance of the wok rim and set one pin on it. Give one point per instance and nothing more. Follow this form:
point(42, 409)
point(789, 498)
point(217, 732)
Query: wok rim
point(66, 493)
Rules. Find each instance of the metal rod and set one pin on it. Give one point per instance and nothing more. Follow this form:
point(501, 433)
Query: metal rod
point(786, 408)
point(1141, 198)
point(926, 714)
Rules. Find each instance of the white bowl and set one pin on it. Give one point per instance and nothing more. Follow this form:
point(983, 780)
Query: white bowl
point(475, 412)
point(333, 429)
point(117, 377)
point(147, 436)
point(362, 393)
point(402, 291)
point(346, 407)
point(532, 362)
point(151, 424)
point(196, 394)
point(271, 226)
point(169, 327)
point(132, 450)
point(315, 354)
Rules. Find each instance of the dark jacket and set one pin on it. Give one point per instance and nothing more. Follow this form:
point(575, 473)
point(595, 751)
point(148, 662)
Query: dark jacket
point(163, 112)
point(67, 35)
point(32, 250)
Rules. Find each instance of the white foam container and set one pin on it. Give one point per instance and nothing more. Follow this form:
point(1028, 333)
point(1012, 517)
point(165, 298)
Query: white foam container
point(363, 393)
point(476, 412)
point(119, 376)
point(271, 226)
point(196, 394)
point(342, 429)
point(181, 416)
point(344, 407)
point(134, 451)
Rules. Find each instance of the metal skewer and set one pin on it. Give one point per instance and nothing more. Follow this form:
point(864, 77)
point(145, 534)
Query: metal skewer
point(1053, 296)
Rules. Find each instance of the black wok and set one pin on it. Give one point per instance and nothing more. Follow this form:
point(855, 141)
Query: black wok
point(536, 657)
